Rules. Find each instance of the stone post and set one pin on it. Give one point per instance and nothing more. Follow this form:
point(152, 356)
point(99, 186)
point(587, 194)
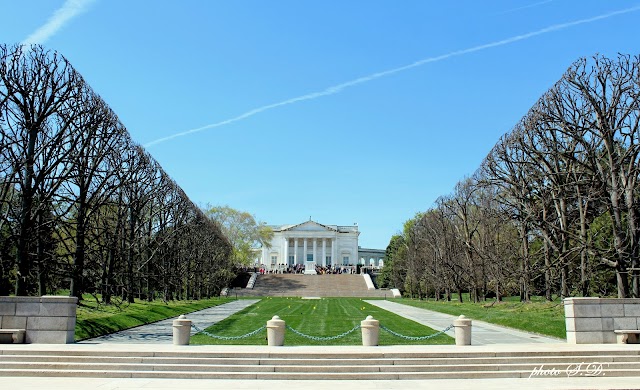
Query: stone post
point(275, 332)
point(462, 326)
point(181, 330)
point(370, 331)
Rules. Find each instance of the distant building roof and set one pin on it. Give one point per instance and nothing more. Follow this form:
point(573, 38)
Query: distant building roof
point(339, 229)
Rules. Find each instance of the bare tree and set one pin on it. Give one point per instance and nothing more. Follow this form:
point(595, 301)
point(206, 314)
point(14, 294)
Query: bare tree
point(80, 201)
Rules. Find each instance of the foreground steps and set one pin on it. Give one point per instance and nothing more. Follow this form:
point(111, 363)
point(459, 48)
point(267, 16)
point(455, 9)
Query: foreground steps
point(323, 363)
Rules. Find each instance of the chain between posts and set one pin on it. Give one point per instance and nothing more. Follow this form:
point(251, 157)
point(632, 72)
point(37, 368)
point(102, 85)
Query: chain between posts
point(416, 338)
point(318, 338)
point(228, 337)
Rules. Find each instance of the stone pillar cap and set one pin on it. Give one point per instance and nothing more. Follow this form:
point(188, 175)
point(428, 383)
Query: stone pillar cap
point(462, 321)
point(369, 321)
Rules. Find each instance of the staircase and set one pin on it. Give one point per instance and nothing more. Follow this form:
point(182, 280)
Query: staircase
point(300, 285)
point(318, 363)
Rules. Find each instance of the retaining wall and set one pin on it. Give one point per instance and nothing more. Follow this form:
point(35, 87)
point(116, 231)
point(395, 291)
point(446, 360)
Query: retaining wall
point(46, 319)
point(593, 320)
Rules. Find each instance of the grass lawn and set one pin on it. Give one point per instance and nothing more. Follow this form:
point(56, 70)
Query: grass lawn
point(95, 320)
point(316, 317)
point(541, 317)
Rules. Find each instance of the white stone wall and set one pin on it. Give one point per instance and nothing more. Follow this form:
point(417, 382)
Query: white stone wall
point(47, 319)
point(347, 245)
point(593, 320)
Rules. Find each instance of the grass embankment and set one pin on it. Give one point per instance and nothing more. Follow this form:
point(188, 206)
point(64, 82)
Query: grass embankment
point(317, 317)
point(95, 320)
point(546, 318)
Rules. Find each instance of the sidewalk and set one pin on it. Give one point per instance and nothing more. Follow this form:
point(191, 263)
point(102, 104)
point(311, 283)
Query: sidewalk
point(162, 331)
point(197, 384)
point(482, 333)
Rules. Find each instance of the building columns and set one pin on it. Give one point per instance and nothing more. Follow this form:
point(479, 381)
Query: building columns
point(304, 252)
point(334, 252)
point(315, 250)
point(324, 252)
point(286, 251)
point(311, 245)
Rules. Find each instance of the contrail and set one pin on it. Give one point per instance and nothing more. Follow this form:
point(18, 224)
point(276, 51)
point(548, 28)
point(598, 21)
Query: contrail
point(525, 7)
point(339, 87)
point(69, 10)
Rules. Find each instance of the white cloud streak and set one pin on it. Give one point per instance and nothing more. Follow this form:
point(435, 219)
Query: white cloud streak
point(340, 87)
point(525, 7)
point(69, 10)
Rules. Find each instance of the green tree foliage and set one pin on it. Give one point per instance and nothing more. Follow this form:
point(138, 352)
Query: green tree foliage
point(394, 272)
point(245, 234)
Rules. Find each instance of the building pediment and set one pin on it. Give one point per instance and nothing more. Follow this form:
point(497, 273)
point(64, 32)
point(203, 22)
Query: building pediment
point(310, 226)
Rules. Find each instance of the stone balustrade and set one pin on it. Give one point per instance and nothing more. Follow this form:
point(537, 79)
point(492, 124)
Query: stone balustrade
point(46, 319)
point(369, 282)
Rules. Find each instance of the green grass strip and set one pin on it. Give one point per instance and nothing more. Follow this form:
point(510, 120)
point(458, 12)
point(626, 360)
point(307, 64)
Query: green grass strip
point(95, 320)
point(546, 318)
point(317, 317)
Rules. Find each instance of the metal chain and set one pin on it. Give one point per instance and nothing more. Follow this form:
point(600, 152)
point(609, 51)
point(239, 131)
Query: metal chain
point(318, 338)
point(416, 338)
point(227, 337)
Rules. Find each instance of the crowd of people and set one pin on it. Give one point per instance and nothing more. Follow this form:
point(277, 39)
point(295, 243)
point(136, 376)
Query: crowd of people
point(300, 268)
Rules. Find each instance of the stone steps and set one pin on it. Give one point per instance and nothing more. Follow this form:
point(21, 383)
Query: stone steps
point(531, 360)
point(360, 368)
point(314, 364)
point(296, 375)
point(298, 285)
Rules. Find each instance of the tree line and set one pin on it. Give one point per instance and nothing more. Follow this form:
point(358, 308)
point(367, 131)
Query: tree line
point(553, 210)
point(82, 206)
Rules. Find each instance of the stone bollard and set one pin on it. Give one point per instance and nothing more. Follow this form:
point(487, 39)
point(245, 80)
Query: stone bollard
point(463, 330)
point(275, 332)
point(181, 331)
point(370, 331)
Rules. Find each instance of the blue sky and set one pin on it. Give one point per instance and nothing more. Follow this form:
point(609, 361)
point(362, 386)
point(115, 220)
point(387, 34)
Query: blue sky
point(343, 111)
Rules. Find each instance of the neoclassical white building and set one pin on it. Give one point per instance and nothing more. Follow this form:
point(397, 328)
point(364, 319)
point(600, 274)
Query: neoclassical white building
point(311, 244)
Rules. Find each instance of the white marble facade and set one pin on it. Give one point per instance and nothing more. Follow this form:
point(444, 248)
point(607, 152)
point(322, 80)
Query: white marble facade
point(311, 244)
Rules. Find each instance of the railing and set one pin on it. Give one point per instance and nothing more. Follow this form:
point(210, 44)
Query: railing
point(276, 328)
point(418, 337)
point(244, 336)
point(324, 338)
point(327, 338)
point(252, 280)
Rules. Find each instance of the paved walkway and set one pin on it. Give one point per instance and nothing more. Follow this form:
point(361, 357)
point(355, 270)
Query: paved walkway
point(482, 333)
point(162, 331)
point(208, 384)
